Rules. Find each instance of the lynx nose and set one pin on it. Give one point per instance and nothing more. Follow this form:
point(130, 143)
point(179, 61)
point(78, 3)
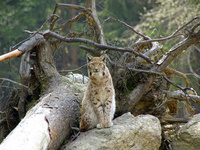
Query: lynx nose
point(96, 70)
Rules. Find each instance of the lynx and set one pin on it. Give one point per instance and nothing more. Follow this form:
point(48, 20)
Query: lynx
point(98, 104)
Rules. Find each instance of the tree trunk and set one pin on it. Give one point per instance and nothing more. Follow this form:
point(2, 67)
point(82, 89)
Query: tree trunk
point(48, 123)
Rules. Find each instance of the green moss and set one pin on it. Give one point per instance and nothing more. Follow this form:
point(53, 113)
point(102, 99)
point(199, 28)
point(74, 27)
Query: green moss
point(30, 104)
point(43, 87)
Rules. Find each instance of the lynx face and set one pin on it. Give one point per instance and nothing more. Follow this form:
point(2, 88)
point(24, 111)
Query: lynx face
point(96, 66)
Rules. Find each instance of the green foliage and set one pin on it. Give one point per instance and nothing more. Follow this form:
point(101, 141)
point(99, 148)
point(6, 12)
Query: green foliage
point(15, 17)
point(165, 18)
point(127, 10)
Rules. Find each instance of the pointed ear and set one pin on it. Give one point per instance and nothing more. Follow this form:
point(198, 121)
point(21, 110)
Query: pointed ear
point(89, 57)
point(103, 58)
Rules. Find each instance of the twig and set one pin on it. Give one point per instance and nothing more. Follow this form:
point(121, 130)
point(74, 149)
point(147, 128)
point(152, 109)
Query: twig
point(148, 40)
point(106, 11)
point(176, 50)
point(2, 121)
point(90, 50)
point(190, 67)
point(171, 36)
point(174, 84)
point(77, 69)
point(196, 48)
point(53, 22)
point(155, 40)
point(77, 7)
point(194, 27)
point(70, 21)
point(17, 45)
point(173, 71)
point(5, 79)
point(144, 37)
point(150, 72)
point(185, 25)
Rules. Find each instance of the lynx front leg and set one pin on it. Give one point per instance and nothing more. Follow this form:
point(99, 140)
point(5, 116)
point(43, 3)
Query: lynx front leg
point(88, 116)
point(85, 121)
point(99, 112)
point(100, 117)
point(109, 111)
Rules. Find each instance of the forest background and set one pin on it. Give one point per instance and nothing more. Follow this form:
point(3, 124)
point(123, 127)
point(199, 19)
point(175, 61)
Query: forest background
point(153, 18)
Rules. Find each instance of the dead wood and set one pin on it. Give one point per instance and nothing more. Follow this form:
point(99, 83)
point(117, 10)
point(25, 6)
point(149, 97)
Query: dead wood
point(55, 112)
point(135, 74)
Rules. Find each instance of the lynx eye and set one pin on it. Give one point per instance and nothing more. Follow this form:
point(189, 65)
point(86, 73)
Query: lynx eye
point(90, 73)
point(104, 73)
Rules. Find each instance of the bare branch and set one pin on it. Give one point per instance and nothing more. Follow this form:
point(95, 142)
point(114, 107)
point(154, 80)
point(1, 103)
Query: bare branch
point(174, 84)
point(10, 55)
point(77, 7)
point(53, 22)
point(174, 35)
point(96, 45)
point(144, 37)
point(195, 26)
point(70, 21)
point(90, 50)
point(154, 49)
point(181, 96)
point(155, 40)
point(14, 47)
point(26, 46)
point(176, 50)
point(2, 121)
point(190, 67)
point(77, 69)
point(185, 25)
point(5, 79)
point(173, 71)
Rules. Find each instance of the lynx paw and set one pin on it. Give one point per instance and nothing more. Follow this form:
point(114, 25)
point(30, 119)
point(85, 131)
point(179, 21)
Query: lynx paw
point(100, 125)
point(108, 125)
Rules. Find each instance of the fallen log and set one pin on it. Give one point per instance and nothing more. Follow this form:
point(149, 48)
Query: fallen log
point(48, 123)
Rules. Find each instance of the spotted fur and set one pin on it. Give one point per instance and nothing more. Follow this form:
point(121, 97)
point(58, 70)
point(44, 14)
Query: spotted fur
point(98, 104)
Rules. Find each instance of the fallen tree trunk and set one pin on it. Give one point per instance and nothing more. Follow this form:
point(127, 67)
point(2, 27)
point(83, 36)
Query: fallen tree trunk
point(48, 123)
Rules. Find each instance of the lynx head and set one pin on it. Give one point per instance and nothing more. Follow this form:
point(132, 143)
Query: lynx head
point(96, 66)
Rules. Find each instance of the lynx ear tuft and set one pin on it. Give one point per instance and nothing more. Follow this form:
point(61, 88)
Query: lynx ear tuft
point(103, 58)
point(89, 57)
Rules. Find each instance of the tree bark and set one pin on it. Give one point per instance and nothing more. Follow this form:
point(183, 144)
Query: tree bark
point(48, 123)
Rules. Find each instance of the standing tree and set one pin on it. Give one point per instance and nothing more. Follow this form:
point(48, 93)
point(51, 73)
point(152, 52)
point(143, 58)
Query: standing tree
point(141, 73)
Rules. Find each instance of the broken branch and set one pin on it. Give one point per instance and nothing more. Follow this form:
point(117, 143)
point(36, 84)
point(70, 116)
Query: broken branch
point(10, 55)
point(96, 45)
